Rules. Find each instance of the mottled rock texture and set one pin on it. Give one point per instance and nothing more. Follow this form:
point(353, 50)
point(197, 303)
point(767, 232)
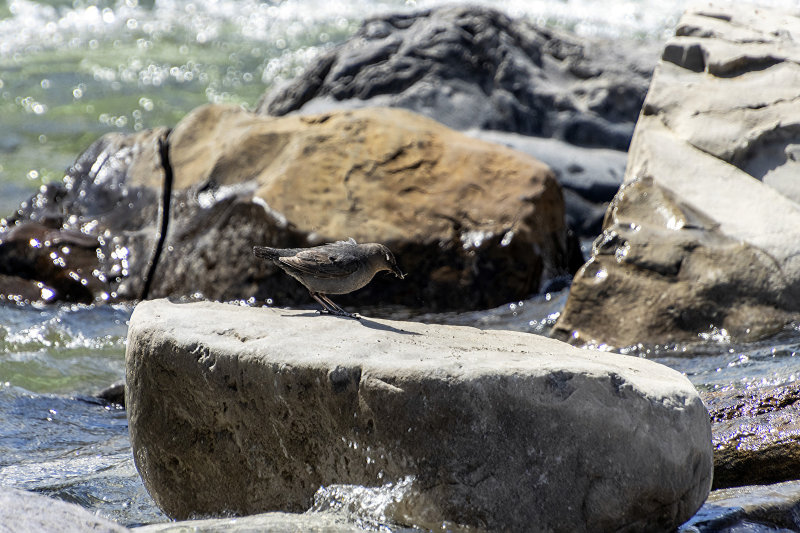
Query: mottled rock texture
point(177, 214)
point(705, 234)
point(756, 435)
point(473, 223)
point(243, 410)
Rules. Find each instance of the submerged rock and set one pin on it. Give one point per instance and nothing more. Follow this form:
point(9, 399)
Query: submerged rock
point(752, 509)
point(506, 80)
point(243, 410)
point(475, 224)
point(27, 511)
point(756, 435)
point(705, 234)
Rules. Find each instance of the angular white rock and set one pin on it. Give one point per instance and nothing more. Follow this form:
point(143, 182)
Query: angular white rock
point(704, 236)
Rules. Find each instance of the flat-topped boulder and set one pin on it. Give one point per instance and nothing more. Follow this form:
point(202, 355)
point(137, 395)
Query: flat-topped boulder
point(246, 410)
point(704, 236)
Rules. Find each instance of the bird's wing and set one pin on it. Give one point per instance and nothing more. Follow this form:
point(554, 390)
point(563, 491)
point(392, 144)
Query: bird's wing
point(320, 263)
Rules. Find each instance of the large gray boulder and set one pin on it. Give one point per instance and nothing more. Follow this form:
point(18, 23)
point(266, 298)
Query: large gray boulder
point(242, 410)
point(705, 234)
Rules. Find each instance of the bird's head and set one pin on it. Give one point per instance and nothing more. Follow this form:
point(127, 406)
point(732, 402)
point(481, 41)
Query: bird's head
point(388, 262)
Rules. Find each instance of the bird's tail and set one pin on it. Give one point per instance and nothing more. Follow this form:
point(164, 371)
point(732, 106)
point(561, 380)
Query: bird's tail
point(266, 252)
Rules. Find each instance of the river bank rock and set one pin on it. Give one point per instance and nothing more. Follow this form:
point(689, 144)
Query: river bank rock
point(756, 435)
point(21, 510)
point(705, 233)
point(475, 68)
point(243, 410)
point(475, 224)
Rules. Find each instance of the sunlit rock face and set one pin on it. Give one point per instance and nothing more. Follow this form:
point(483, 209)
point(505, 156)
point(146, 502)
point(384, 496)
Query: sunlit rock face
point(235, 409)
point(705, 234)
point(177, 214)
point(474, 224)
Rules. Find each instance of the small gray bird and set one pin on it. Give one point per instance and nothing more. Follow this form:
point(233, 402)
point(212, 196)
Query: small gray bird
point(335, 268)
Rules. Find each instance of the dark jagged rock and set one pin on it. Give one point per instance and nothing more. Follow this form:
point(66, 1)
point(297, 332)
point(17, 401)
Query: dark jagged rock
point(506, 80)
point(88, 238)
point(474, 67)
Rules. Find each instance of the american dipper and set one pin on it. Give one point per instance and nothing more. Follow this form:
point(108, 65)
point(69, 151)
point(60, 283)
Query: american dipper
point(335, 268)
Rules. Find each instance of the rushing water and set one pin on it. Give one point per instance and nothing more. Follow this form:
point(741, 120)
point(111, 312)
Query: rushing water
point(71, 70)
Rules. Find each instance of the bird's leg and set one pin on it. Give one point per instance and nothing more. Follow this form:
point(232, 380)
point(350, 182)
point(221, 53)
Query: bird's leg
point(325, 307)
point(336, 309)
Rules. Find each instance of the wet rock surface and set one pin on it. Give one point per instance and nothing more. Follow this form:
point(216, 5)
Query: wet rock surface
point(704, 235)
point(474, 68)
point(118, 228)
point(752, 509)
point(475, 224)
point(27, 511)
point(511, 75)
point(90, 238)
point(268, 522)
point(756, 435)
point(243, 410)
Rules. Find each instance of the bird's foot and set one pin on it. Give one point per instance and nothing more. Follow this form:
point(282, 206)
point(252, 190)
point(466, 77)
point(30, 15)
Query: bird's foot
point(345, 314)
point(341, 313)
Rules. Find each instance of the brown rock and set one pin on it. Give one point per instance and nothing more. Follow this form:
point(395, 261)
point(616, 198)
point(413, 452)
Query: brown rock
point(475, 224)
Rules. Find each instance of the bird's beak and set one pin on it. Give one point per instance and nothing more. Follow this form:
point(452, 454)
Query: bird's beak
point(397, 272)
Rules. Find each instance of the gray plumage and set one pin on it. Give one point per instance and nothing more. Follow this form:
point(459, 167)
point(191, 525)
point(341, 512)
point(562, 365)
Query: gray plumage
point(336, 268)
